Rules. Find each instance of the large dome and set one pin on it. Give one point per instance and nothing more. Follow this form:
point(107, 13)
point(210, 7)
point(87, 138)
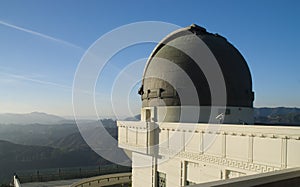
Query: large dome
point(174, 49)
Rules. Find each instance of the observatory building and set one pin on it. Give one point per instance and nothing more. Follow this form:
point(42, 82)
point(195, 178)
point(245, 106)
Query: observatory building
point(197, 118)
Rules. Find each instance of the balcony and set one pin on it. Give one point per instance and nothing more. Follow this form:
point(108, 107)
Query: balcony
point(253, 148)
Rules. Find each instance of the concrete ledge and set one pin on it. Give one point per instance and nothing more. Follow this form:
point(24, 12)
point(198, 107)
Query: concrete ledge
point(105, 180)
point(287, 177)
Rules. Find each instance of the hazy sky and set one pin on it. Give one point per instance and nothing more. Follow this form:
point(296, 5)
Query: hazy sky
point(42, 42)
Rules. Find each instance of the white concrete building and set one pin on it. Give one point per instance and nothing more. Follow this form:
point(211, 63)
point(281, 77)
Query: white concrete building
point(197, 116)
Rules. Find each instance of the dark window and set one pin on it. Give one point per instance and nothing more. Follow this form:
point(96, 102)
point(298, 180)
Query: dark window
point(161, 179)
point(148, 115)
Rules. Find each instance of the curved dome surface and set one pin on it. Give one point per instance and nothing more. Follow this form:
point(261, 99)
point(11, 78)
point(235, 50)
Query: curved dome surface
point(174, 49)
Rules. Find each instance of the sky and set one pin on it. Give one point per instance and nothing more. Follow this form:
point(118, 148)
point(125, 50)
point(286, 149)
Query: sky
point(43, 42)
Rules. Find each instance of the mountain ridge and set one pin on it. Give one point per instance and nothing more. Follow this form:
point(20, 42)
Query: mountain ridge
point(30, 118)
point(260, 114)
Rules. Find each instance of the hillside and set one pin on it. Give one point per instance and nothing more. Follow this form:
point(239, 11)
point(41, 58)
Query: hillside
point(35, 134)
point(35, 146)
point(70, 142)
point(16, 157)
point(75, 140)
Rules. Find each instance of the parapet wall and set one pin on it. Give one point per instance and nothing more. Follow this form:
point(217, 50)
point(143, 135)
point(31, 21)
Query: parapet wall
point(245, 147)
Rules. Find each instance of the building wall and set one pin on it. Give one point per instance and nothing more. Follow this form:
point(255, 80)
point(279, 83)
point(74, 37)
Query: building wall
point(180, 172)
point(172, 169)
point(199, 172)
point(200, 152)
point(142, 170)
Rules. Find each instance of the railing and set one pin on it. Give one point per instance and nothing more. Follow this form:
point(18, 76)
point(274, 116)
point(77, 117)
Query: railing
point(123, 179)
point(136, 136)
point(55, 174)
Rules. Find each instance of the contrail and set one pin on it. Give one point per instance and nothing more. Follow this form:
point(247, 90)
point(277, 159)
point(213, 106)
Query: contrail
point(67, 87)
point(21, 77)
point(40, 35)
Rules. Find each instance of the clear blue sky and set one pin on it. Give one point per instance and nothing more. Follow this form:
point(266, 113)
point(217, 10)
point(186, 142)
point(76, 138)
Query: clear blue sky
point(42, 42)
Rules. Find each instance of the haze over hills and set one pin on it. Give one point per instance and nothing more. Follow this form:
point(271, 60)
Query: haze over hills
point(35, 134)
point(16, 157)
point(267, 111)
point(264, 114)
point(277, 116)
point(34, 146)
point(30, 118)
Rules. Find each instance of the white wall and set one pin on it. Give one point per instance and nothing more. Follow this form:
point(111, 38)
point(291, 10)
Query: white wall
point(141, 170)
point(172, 168)
point(218, 151)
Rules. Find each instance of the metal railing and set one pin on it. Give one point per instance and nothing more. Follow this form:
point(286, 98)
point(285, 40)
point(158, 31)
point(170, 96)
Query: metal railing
point(55, 174)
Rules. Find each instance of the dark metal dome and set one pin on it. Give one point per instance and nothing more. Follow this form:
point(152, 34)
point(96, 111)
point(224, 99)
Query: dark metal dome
point(232, 64)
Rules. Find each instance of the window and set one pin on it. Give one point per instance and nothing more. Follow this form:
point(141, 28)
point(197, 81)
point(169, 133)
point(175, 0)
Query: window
point(232, 174)
point(161, 179)
point(227, 111)
point(148, 115)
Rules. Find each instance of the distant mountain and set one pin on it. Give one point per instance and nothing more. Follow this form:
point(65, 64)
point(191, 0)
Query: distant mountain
point(134, 118)
point(35, 146)
point(16, 157)
point(265, 111)
point(35, 134)
point(278, 115)
point(30, 118)
point(76, 141)
point(70, 142)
